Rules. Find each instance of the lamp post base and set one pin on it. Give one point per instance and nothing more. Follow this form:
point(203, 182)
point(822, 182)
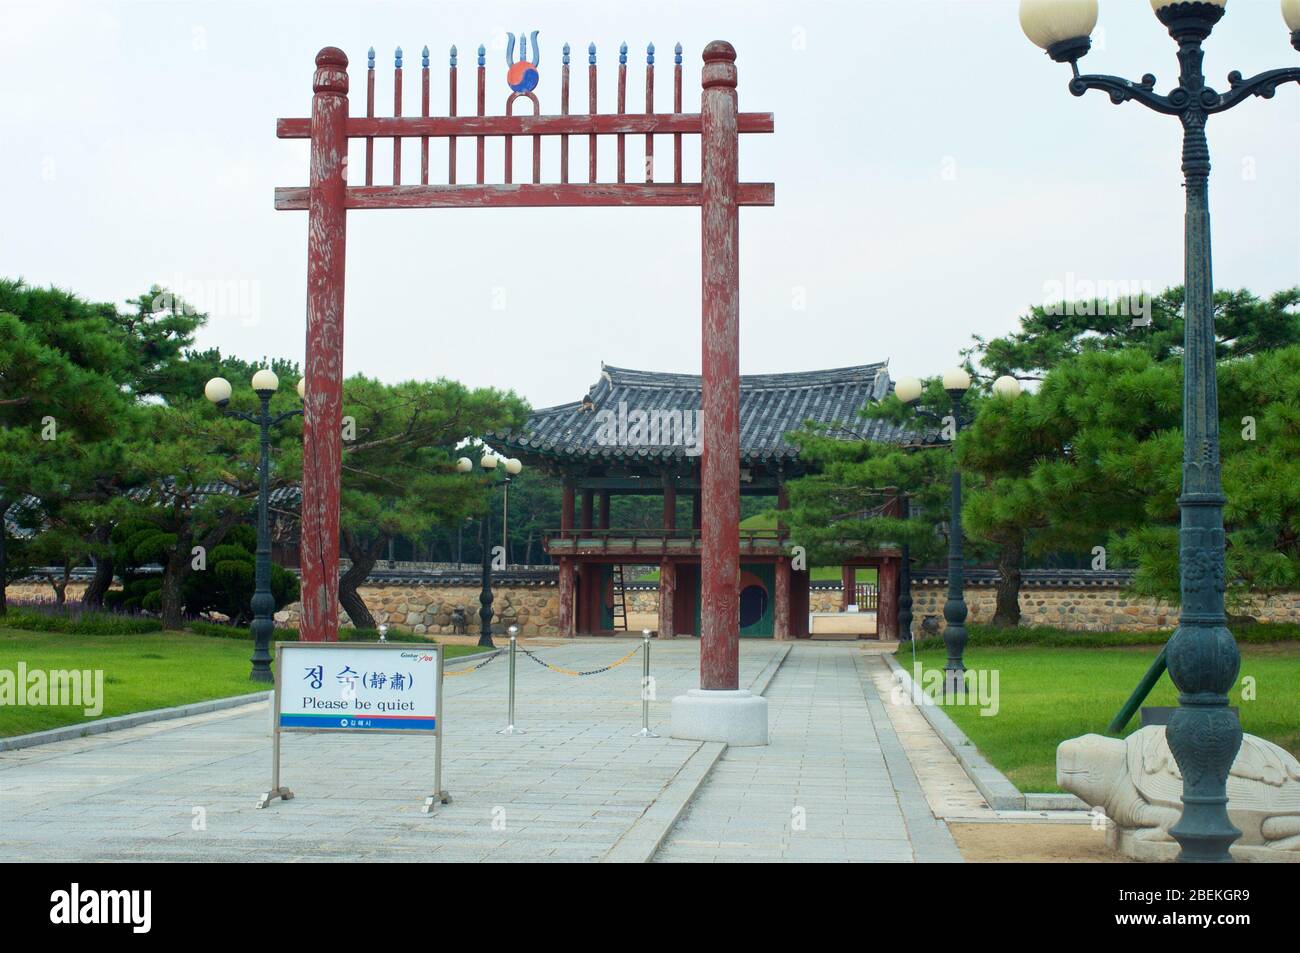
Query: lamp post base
point(733, 717)
point(954, 684)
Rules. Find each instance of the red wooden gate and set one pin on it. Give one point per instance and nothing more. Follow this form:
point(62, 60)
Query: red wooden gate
point(719, 194)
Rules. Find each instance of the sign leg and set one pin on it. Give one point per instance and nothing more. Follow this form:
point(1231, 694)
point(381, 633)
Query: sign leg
point(277, 790)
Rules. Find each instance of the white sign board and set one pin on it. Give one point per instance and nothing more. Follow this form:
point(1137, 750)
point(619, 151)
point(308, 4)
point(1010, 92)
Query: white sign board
point(358, 687)
point(369, 687)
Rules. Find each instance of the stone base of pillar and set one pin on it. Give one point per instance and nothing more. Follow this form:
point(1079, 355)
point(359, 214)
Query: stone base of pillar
point(736, 718)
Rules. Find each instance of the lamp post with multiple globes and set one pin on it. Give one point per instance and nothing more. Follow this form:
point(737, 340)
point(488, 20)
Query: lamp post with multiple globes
point(489, 463)
point(1204, 732)
point(956, 383)
point(265, 384)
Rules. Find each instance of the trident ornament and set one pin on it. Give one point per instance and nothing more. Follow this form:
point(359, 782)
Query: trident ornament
point(522, 76)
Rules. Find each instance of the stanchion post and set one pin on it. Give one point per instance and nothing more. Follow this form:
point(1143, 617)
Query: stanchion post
point(510, 728)
point(645, 731)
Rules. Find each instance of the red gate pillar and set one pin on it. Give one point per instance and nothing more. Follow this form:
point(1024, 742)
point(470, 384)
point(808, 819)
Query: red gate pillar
point(323, 403)
point(720, 376)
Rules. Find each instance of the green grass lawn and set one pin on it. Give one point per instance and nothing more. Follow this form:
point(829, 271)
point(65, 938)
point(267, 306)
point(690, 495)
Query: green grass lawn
point(1046, 695)
point(157, 670)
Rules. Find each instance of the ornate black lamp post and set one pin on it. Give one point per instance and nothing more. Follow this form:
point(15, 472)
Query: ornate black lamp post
point(956, 383)
point(1203, 733)
point(511, 467)
point(265, 384)
point(905, 596)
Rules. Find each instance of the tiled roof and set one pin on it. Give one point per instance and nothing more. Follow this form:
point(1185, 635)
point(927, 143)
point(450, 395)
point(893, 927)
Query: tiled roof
point(771, 405)
point(287, 496)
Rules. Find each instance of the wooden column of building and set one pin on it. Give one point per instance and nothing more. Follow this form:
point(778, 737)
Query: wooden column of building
point(696, 516)
point(567, 590)
point(781, 600)
point(604, 510)
point(668, 568)
point(887, 599)
point(781, 626)
point(888, 577)
point(587, 500)
point(667, 594)
point(566, 505)
point(565, 598)
point(848, 580)
point(323, 403)
point(720, 377)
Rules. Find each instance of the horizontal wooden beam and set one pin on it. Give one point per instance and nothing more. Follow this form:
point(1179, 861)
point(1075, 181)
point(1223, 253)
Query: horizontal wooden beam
point(599, 124)
point(298, 198)
point(652, 486)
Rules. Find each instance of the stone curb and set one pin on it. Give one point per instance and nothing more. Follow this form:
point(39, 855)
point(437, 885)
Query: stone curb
point(642, 840)
point(1054, 802)
point(120, 722)
point(932, 842)
point(992, 784)
point(137, 718)
point(764, 678)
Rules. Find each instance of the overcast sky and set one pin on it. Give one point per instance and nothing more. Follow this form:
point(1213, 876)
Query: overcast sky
point(933, 177)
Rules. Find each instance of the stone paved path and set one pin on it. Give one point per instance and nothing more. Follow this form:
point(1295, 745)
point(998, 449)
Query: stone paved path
point(568, 790)
point(834, 784)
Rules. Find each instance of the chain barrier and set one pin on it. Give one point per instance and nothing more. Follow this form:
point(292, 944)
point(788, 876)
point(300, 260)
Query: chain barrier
point(513, 729)
point(572, 673)
point(473, 669)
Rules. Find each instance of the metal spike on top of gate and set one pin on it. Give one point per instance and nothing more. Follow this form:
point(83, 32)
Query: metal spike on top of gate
point(523, 77)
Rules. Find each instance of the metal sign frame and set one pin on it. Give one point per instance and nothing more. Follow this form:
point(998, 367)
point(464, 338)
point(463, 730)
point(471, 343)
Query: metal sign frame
point(278, 790)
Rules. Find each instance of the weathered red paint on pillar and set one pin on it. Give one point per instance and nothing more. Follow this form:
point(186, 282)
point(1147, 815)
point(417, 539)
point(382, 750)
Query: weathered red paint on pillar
point(566, 597)
point(587, 496)
point(720, 375)
point(848, 587)
point(670, 503)
point(781, 602)
point(667, 592)
point(887, 600)
point(322, 417)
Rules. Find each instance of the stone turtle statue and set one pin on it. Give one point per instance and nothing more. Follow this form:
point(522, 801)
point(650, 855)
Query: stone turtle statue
point(1137, 783)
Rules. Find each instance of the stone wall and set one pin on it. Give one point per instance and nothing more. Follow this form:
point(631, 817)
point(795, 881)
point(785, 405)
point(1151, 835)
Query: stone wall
point(826, 600)
point(428, 609)
point(407, 608)
point(1088, 608)
point(1075, 608)
point(29, 591)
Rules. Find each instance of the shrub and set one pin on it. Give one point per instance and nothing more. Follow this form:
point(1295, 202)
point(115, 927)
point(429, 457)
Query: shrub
point(981, 635)
point(73, 620)
point(288, 634)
